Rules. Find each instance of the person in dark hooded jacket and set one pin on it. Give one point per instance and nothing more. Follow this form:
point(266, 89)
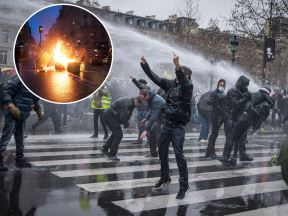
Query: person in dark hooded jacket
point(235, 102)
point(18, 103)
point(217, 116)
point(177, 113)
point(153, 120)
point(118, 114)
point(254, 114)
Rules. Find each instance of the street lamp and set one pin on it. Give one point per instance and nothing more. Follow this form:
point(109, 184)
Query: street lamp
point(234, 46)
point(40, 30)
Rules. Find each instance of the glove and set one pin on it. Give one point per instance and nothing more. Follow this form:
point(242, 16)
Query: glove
point(14, 110)
point(126, 125)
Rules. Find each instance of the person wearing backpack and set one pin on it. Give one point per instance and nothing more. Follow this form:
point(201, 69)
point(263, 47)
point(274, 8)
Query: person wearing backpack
point(18, 103)
point(255, 113)
point(204, 111)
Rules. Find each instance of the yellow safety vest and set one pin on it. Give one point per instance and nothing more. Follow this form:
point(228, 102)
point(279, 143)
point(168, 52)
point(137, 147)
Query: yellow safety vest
point(106, 102)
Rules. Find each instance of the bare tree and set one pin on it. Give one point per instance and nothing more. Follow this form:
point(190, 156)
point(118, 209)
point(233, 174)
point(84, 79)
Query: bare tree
point(213, 25)
point(257, 18)
point(188, 9)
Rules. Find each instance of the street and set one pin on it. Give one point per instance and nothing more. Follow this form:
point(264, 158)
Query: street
point(63, 86)
point(70, 177)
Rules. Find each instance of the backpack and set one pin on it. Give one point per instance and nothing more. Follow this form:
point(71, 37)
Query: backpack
point(203, 107)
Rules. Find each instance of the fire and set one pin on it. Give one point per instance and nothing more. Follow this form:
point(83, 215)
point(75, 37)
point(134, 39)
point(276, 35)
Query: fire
point(60, 57)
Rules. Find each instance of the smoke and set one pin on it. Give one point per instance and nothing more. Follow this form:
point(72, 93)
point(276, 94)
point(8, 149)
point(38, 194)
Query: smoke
point(129, 46)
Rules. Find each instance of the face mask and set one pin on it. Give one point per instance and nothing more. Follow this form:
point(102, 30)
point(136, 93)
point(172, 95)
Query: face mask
point(221, 89)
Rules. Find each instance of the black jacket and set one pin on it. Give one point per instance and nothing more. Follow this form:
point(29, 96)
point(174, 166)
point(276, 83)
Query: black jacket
point(237, 98)
point(155, 105)
point(178, 95)
point(122, 108)
point(22, 98)
point(217, 101)
point(258, 108)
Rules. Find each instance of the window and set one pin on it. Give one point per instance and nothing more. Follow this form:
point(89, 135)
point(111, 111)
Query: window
point(4, 36)
point(3, 56)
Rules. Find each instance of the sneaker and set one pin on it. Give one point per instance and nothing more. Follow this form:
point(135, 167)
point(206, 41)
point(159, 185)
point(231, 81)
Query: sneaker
point(3, 168)
point(104, 152)
point(182, 193)
point(114, 158)
point(22, 163)
point(94, 136)
point(246, 157)
point(105, 137)
point(162, 184)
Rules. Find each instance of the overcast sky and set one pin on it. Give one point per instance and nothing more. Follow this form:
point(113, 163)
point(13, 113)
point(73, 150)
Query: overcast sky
point(163, 8)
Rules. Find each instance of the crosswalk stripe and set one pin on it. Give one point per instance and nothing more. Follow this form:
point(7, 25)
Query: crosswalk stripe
point(148, 182)
point(279, 210)
point(123, 159)
point(69, 146)
point(166, 201)
point(139, 168)
point(134, 150)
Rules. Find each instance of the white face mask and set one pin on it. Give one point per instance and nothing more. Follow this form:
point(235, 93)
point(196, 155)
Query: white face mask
point(221, 89)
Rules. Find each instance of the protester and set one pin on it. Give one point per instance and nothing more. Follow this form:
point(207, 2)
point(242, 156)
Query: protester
point(118, 114)
point(101, 101)
point(218, 116)
point(177, 112)
point(18, 103)
point(153, 120)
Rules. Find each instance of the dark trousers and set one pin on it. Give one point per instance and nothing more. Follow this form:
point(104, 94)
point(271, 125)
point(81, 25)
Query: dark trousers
point(216, 123)
point(55, 117)
point(239, 134)
point(177, 137)
point(274, 112)
point(115, 138)
point(153, 138)
point(99, 113)
point(16, 127)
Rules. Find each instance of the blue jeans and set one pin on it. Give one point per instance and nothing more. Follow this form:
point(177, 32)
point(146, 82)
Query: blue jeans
point(204, 127)
point(16, 127)
point(176, 136)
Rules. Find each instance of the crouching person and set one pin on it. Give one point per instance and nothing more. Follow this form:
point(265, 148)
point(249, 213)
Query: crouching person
point(18, 103)
point(118, 114)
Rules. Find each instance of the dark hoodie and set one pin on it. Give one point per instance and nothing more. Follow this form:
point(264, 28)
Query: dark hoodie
point(237, 98)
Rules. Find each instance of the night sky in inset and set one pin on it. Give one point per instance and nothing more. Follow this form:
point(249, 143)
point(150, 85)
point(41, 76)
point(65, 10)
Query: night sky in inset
point(46, 18)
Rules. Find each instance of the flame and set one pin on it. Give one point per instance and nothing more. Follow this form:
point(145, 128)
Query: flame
point(59, 55)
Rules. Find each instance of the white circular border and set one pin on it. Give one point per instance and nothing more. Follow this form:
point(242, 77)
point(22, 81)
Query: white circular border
point(73, 5)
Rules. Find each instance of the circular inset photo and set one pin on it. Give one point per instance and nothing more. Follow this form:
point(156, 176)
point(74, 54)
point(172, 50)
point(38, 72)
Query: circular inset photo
point(63, 53)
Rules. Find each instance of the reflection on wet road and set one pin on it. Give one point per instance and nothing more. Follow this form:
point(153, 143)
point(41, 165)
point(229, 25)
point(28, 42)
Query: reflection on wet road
point(63, 86)
point(71, 177)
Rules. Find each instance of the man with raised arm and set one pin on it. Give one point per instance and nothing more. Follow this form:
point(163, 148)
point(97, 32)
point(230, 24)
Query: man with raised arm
point(177, 112)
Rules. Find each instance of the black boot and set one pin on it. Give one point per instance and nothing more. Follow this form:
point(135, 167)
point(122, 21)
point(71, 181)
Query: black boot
point(3, 168)
point(22, 163)
point(246, 157)
point(232, 162)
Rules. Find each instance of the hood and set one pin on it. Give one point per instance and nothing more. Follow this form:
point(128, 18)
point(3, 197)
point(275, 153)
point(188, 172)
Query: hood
point(241, 83)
